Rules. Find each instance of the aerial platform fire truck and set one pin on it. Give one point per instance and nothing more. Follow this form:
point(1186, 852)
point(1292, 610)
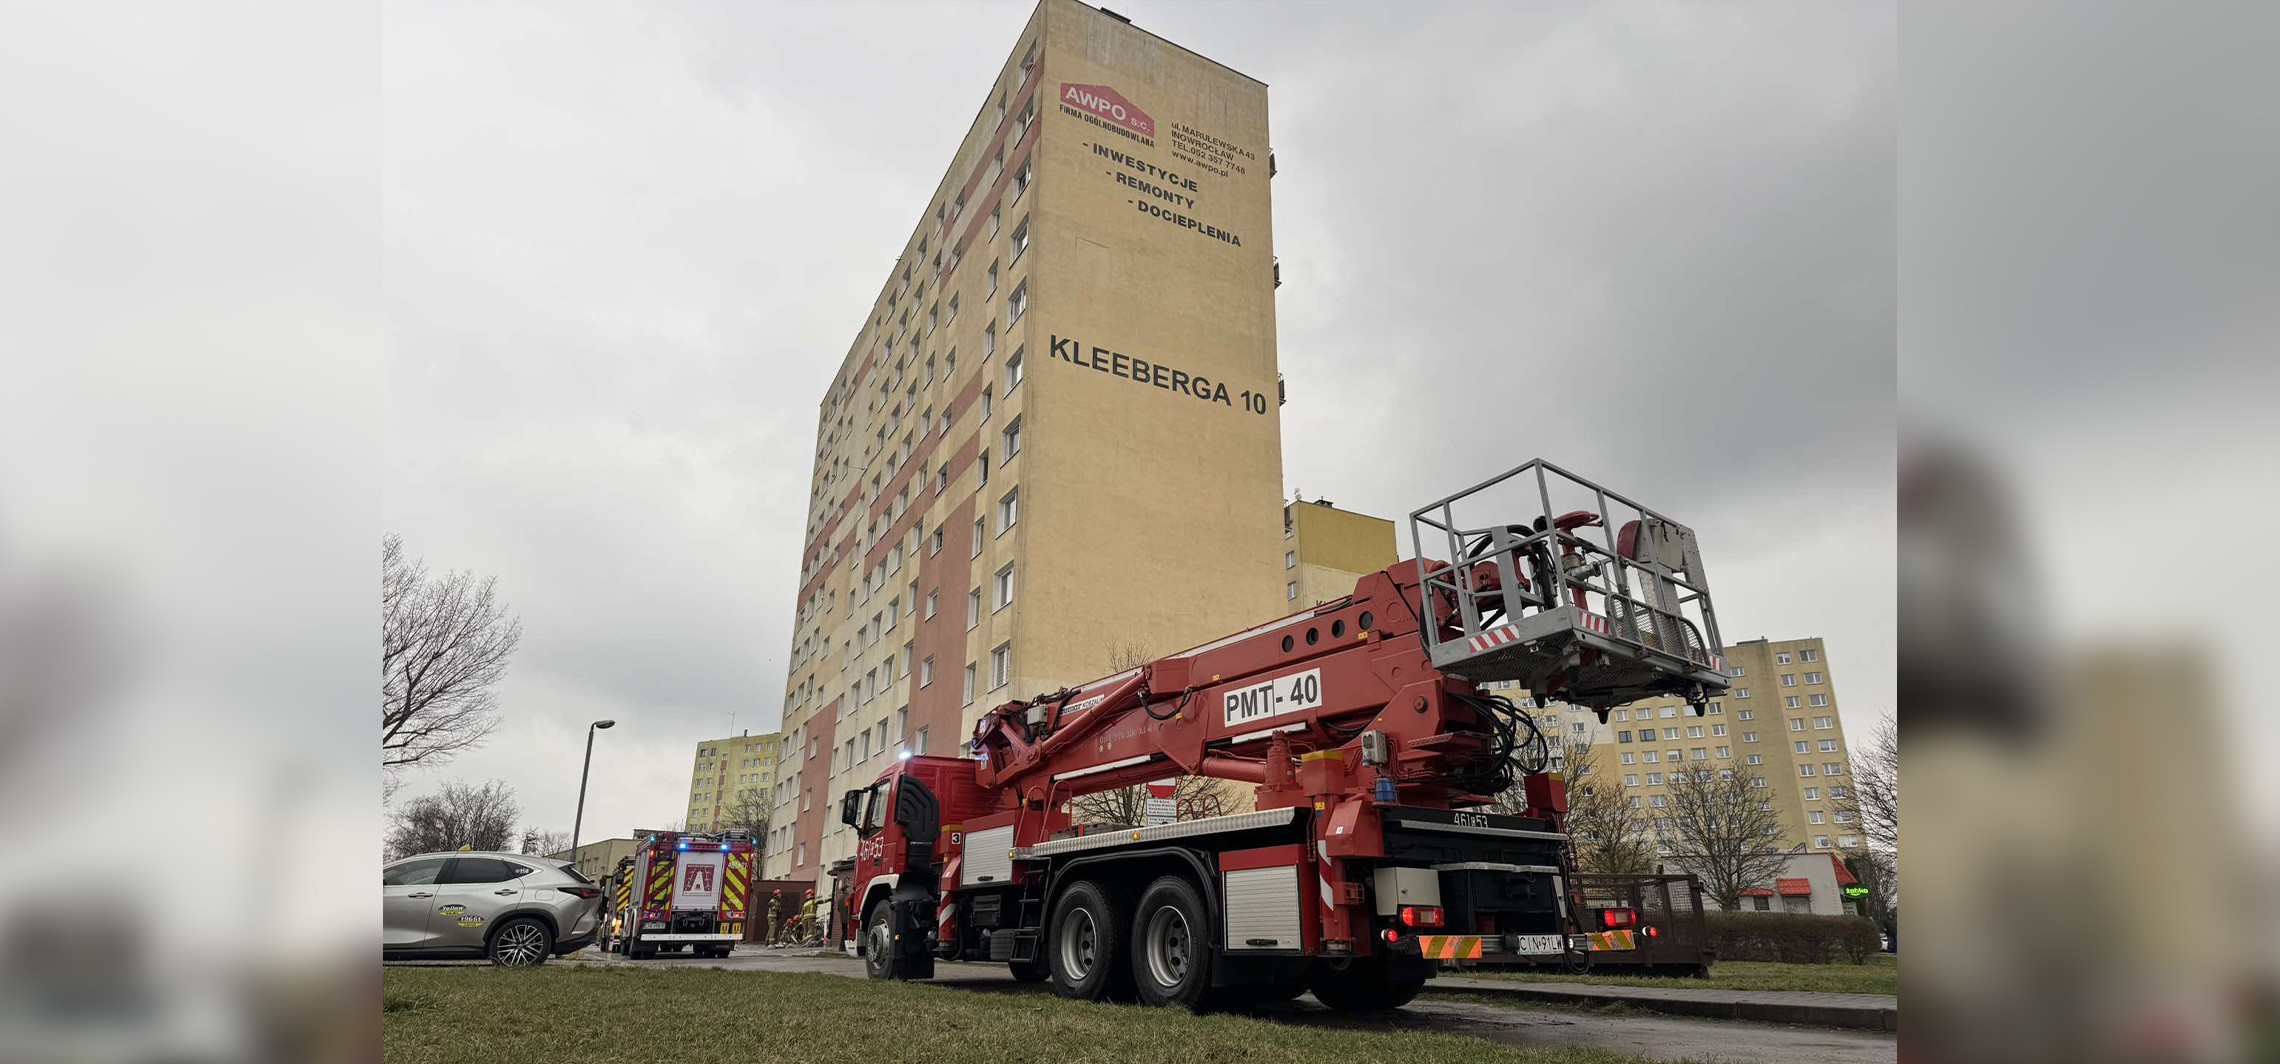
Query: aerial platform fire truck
point(679, 889)
point(1375, 741)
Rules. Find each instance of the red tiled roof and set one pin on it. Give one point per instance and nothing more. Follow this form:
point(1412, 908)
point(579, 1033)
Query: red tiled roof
point(1844, 875)
point(1794, 886)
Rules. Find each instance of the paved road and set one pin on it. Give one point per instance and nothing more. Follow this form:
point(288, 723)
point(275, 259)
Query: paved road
point(1658, 1037)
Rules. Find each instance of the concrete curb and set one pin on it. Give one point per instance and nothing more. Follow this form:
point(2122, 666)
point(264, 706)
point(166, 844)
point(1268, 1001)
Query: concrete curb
point(1865, 1012)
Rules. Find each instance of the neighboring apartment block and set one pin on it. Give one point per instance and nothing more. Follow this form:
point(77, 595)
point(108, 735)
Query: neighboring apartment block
point(1778, 725)
point(726, 769)
point(1326, 549)
point(1055, 440)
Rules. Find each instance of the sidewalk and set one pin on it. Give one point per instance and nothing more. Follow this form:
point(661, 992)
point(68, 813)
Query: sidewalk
point(1869, 1012)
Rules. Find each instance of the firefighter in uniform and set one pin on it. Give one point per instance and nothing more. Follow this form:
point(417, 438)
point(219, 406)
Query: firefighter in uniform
point(807, 917)
point(775, 929)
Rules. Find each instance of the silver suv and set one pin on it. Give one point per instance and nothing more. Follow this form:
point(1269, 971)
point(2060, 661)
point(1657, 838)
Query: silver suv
point(514, 908)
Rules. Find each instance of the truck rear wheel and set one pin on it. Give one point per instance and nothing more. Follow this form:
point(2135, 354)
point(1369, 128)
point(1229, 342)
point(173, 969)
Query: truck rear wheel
point(1086, 946)
point(1171, 944)
point(1367, 984)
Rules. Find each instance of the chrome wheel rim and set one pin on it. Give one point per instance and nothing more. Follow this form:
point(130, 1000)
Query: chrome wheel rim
point(521, 944)
point(1080, 944)
point(1171, 947)
point(880, 942)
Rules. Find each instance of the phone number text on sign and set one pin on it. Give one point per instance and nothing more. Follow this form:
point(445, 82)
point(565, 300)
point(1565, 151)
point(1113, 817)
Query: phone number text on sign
point(1283, 694)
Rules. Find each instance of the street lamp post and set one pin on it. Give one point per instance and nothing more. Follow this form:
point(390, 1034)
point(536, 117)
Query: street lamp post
point(583, 773)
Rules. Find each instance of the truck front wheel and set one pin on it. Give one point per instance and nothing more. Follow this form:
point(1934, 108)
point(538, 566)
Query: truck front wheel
point(1171, 944)
point(879, 961)
point(1366, 984)
point(1086, 942)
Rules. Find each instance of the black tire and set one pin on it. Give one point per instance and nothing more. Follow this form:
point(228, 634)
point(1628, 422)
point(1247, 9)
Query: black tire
point(523, 942)
point(1369, 984)
point(879, 959)
point(1036, 971)
point(1085, 946)
point(1171, 945)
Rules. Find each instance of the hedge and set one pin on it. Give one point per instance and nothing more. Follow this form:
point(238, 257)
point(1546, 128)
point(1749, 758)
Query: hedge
point(1794, 938)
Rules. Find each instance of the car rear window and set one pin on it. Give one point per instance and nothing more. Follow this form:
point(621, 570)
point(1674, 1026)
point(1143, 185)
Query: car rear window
point(478, 870)
point(572, 872)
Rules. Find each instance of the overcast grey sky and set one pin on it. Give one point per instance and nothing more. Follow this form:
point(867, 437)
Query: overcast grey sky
point(626, 247)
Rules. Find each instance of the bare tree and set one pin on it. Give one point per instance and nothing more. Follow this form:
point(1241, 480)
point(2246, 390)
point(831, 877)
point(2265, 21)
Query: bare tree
point(1874, 795)
point(541, 843)
point(1611, 837)
point(1193, 797)
point(1725, 831)
point(750, 813)
point(444, 643)
point(462, 814)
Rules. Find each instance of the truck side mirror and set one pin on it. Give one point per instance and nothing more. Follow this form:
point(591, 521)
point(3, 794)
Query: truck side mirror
point(851, 809)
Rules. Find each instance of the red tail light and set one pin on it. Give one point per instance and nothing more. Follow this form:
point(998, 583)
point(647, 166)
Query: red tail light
point(1421, 915)
point(588, 893)
point(1618, 917)
point(1654, 932)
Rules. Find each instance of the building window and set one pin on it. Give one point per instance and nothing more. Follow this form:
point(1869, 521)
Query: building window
point(1726, 751)
point(1009, 510)
point(981, 531)
point(1736, 671)
point(1290, 590)
point(1781, 658)
point(973, 608)
point(1717, 729)
point(1789, 679)
point(1741, 692)
point(992, 279)
point(1290, 561)
point(1669, 712)
point(1758, 782)
point(1020, 241)
point(1789, 702)
point(983, 465)
point(969, 685)
point(1001, 665)
point(1803, 746)
point(1012, 437)
point(934, 546)
point(1816, 699)
point(930, 597)
point(1812, 677)
point(1820, 842)
point(1749, 737)
point(1628, 759)
point(1805, 770)
point(1004, 587)
point(918, 742)
point(1018, 304)
point(989, 340)
point(1812, 656)
point(1622, 736)
point(1796, 724)
point(1013, 372)
point(1812, 793)
point(1027, 171)
point(1833, 768)
point(1757, 759)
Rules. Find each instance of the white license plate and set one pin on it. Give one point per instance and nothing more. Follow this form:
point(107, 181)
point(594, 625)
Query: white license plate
point(1531, 945)
point(653, 925)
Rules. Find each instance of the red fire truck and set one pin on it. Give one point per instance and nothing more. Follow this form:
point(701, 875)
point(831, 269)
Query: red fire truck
point(680, 889)
point(1368, 725)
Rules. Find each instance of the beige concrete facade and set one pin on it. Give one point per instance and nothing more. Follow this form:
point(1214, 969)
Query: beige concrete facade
point(596, 859)
point(1784, 694)
point(726, 768)
point(1054, 441)
point(1326, 549)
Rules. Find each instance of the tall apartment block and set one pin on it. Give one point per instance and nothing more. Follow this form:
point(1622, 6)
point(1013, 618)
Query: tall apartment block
point(726, 769)
point(1778, 725)
point(1055, 440)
